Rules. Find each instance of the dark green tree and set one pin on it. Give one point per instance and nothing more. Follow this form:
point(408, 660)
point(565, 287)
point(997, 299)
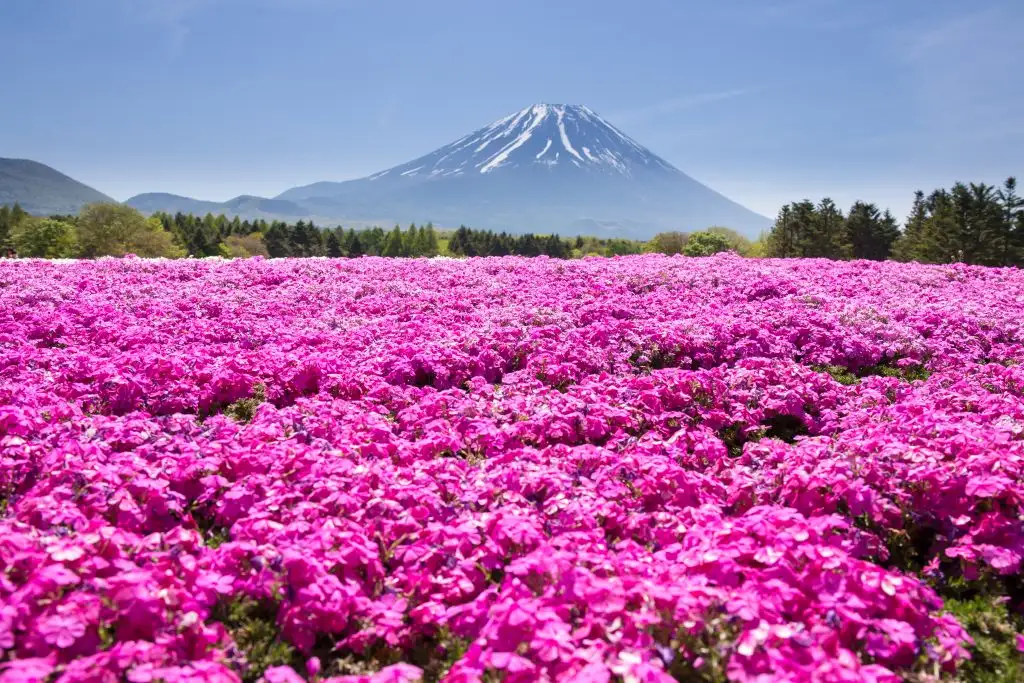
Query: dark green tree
point(277, 240)
point(10, 218)
point(870, 235)
point(1010, 245)
point(781, 241)
point(352, 245)
point(333, 245)
point(428, 239)
point(394, 246)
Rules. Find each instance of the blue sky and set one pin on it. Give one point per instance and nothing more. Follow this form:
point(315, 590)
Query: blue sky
point(767, 101)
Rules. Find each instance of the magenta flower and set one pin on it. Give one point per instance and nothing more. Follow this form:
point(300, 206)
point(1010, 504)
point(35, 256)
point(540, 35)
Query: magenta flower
point(61, 630)
point(530, 469)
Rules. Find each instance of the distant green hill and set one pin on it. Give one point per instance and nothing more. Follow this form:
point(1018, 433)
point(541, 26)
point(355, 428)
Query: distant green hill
point(43, 191)
point(245, 206)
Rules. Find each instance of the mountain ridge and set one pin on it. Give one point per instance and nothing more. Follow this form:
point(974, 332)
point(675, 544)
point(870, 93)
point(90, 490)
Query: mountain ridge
point(42, 190)
point(546, 168)
point(245, 206)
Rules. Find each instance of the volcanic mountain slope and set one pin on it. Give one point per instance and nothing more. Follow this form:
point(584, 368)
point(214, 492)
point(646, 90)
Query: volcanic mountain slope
point(546, 168)
point(43, 191)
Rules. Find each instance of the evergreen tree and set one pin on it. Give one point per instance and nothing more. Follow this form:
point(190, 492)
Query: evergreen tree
point(1010, 241)
point(459, 243)
point(333, 245)
point(10, 218)
point(979, 218)
point(411, 241)
point(429, 239)
point(825, 232)
point(909, 245)
point(277, 240)
point(887, 234)
point(528, 245)
point(393, 247)
point(555, 247)
point(781, 241)
point(501, 246)
point(354, 247)
point(199, 245)
point(373, 240)
point(942, 236)
point(863, 230)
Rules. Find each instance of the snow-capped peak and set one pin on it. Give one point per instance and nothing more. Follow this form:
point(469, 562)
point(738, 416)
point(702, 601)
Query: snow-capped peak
point(556, 136)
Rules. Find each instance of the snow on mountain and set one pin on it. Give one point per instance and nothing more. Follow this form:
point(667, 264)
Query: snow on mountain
point(547, 135)
point(547, 168)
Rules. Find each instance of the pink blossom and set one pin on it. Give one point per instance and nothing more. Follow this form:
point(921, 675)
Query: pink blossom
point(61, 630)
point(543, 470)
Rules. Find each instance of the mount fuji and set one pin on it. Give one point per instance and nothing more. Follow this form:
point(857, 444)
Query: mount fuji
point(547, 168)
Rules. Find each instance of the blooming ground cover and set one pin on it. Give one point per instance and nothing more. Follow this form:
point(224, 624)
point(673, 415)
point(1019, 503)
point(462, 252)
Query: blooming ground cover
point(632, 469)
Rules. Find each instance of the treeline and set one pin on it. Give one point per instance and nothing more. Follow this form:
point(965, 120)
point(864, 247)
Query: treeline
point(98, 230)
point(969, 223)
point(975, 224)
point(220, 236)
point(466, 242)
point(116, 229)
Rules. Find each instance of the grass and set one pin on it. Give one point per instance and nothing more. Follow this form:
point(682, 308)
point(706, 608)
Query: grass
point(994, 655)
point(844, 375)
point(254, 629)
point(244, 409)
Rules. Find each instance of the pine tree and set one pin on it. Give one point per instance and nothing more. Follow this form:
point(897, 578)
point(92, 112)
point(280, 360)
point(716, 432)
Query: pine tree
point(825, 237)
point(353, 246)
point(862, 231)
point(501, 245)
point(333, 245)
point(781, 241)
point(430, 245)
point(198, 245)
point(979, 218)
point(374, 239)
point(942, 235)
point(317, 240)
point(5, 225)
point(1009, 243)
point(908, 246)
point(888, 231)
point(277, 240)
point(393, 247)
point(411, 242)
point(458, 242)
point(802, 228)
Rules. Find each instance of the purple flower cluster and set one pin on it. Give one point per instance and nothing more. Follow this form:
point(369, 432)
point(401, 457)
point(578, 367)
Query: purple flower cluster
point(634, 469)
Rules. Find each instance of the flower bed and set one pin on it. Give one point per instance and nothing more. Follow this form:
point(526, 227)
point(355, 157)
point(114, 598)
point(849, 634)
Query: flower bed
point(631, 469)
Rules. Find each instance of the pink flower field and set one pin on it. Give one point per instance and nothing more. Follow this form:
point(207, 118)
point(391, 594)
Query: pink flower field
point(390, 470)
